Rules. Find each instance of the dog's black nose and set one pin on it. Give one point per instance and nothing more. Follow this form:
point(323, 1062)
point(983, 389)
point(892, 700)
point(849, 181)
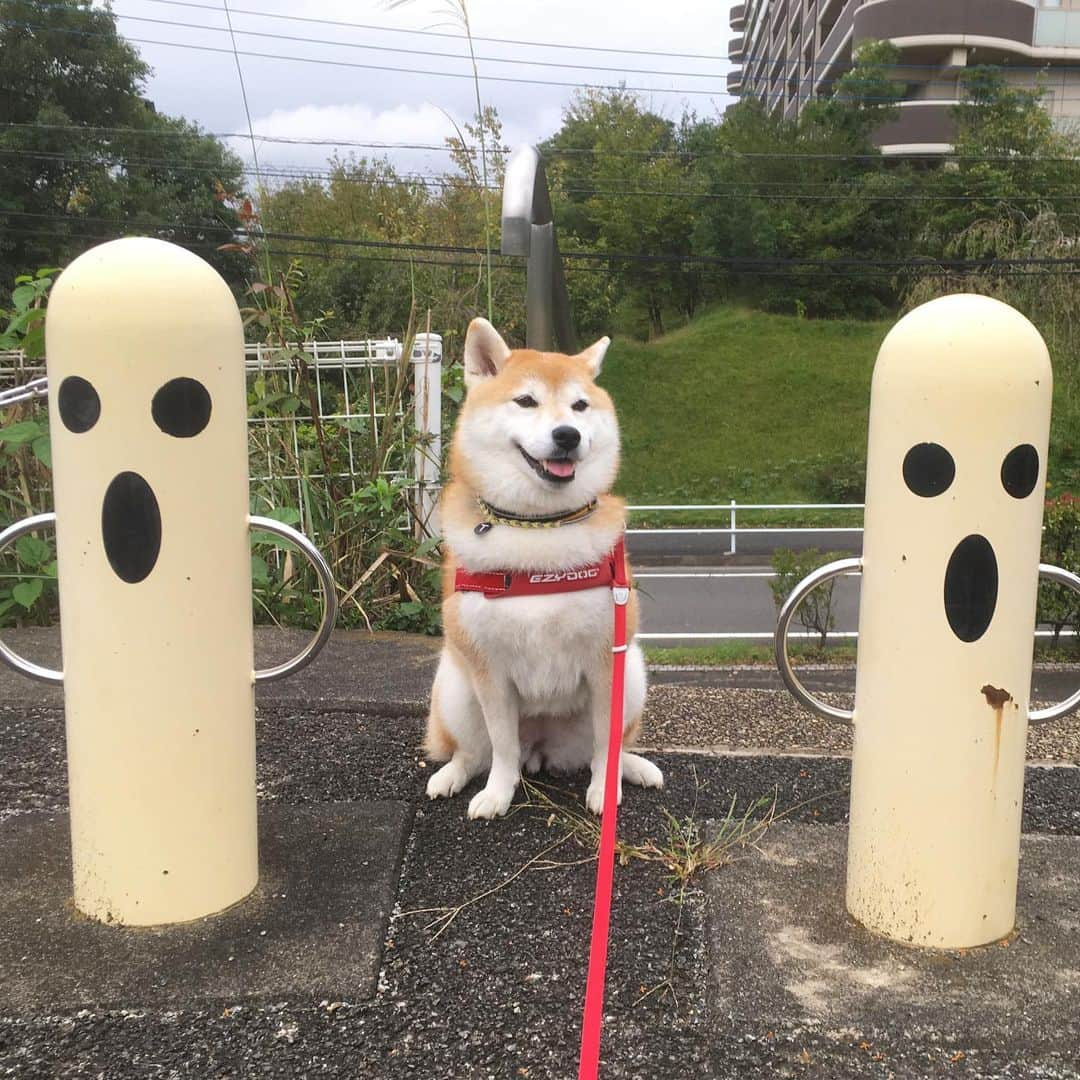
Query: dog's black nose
point(566, 437)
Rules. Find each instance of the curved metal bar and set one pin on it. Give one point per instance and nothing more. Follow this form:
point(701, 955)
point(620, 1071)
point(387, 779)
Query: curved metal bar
point(330, 602)
point(35, 388)
point(787, 613)
point(1055, 712)
point(528, 229)
point(8, 655)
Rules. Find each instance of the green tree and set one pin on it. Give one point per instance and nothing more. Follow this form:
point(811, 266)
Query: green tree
point(1011, 163)
point(85, 156)
point(812, 189)
point(622, 184)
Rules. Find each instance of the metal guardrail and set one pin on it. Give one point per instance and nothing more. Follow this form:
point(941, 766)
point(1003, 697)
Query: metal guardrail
point(528, 228)
point(733, 509)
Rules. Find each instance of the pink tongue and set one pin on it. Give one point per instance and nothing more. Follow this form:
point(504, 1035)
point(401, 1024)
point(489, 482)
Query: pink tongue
point(559, 468)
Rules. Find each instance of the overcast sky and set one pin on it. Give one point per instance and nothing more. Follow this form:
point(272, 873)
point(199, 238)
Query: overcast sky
point(336, 101)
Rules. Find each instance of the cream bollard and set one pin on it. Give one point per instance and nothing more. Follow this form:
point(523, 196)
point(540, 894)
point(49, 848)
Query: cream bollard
point(148, 423)
point(147, 415)
point(956, 476)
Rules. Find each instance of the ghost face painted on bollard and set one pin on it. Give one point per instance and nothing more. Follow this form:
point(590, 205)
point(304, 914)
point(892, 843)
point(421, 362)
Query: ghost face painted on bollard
point(959, 425)
point(148, 421)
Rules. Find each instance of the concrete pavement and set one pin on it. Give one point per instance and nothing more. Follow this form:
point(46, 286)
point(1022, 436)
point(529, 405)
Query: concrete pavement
point(752, 970)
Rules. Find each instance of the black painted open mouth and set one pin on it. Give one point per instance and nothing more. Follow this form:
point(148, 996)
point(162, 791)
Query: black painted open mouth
point(557, 470)
point(971, 587)
point(131, 527)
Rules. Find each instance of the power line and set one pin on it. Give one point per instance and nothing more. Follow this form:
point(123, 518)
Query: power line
point(732, 261)
point(300, 173)
point(674, 153)
point(327, 62)
point(414, 52)
point(742, 61)
point(205, 245)
point(442, 34)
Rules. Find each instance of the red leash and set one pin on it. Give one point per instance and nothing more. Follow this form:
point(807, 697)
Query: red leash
point(611, 571)
point(592, 1021)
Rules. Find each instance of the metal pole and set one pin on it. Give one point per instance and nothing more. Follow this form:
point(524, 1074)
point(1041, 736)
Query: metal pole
point(528, 229)
point(732, 526)
point(427, 367)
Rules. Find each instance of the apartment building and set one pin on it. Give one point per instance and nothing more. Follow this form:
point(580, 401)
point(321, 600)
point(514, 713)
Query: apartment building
point(790, 51)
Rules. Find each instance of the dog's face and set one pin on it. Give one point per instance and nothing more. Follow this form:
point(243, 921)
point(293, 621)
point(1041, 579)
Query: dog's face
point(536, 434)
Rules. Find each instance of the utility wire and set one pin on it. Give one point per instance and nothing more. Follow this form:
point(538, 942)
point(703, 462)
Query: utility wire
point(327, 62)
point(443, 34)
point(294, 39)
point(569, 151)
point(734, 261)
point(300, 173)
point(747, 58)
point(753, 270)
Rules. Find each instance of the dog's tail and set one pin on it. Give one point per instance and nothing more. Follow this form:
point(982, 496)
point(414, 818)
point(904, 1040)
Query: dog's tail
point(439, 744)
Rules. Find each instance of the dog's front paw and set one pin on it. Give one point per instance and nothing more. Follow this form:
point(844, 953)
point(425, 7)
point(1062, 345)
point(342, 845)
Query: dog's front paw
point(492, 802)
point(641, 771)
point(447, 781)
point(594, 797)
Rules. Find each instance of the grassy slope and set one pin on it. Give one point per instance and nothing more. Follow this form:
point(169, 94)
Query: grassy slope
point(741, 404)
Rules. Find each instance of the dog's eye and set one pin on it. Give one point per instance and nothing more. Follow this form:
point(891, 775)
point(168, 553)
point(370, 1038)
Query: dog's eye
point(580, 405)
point(526, 401)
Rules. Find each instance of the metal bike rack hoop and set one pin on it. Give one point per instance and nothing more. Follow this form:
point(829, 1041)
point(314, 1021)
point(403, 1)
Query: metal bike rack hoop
point(1055, 712)
point(787, 613)
point(330, 603)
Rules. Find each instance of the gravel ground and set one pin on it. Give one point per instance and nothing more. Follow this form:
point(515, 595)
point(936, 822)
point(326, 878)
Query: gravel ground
point(736, 718)
point(498, 994)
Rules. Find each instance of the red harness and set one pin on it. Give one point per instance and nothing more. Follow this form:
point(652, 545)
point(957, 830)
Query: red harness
point(610, 572)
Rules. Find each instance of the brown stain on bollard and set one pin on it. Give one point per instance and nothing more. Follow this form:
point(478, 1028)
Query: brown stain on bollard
point(997, 700)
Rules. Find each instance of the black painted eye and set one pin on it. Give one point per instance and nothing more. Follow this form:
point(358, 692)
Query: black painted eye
point(182, 408)
point(929, 469)
point(1020, 471)
point(79, 404)
point(526, 401)
point(580, 406)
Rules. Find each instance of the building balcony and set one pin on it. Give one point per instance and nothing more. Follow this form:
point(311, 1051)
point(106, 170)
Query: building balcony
point(737, 18)
point(735, 82)
point(736, 47)
point(929, 126)
point(914, 23)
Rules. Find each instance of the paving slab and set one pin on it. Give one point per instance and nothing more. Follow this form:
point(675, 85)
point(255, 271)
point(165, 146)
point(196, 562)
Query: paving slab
point(376, 672)
point(785, 956)
point(314, 927)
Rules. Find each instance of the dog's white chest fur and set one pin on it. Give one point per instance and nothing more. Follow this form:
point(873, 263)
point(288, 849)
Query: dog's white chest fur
point(545, 644)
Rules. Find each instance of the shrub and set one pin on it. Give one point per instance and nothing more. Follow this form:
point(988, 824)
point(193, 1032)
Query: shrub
point(816, 611)
point(1059, 607)
point(28, 570)
point(839, 480)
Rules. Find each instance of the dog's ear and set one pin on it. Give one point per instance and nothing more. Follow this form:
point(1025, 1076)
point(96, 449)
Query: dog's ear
point(485, 352)
point(594, 355)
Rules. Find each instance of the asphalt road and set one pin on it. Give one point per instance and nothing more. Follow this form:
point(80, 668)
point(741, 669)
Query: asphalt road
point(735, 601)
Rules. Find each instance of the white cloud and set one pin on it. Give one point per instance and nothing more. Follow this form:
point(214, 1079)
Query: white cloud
point(334, 99)
point(420, 125)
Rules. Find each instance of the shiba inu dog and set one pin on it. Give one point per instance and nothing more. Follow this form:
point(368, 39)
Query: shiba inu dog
point(524, 681)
